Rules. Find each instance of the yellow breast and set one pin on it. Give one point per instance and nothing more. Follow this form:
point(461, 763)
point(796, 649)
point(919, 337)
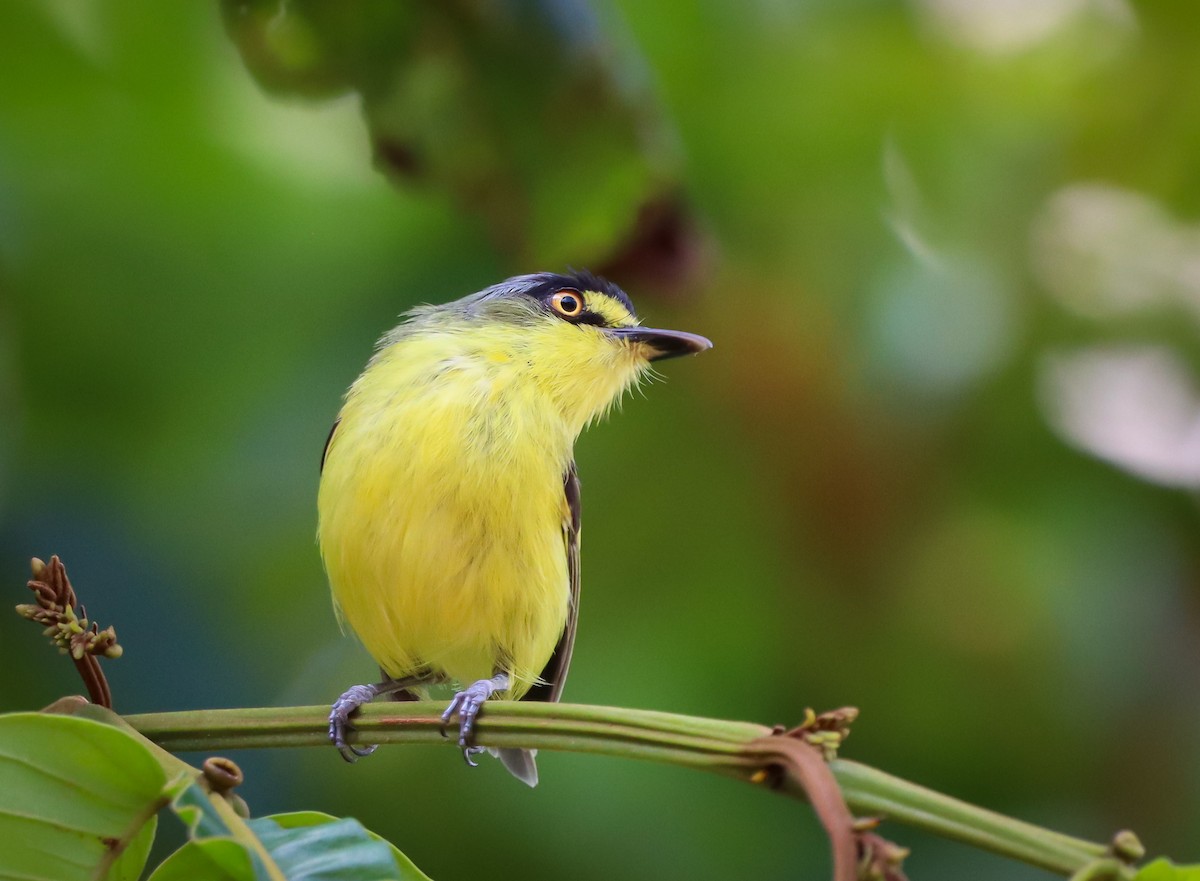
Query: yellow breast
point(441, 503)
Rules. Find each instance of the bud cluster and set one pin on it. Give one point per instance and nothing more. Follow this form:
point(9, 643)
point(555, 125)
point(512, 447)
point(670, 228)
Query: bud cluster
point(55, 610)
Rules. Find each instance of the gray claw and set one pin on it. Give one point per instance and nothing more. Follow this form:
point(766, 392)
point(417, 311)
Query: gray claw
point(467, 704)
point(352, 753)
point(471, 751)
point(339, 722)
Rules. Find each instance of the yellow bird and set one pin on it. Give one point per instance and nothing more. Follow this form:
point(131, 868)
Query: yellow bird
point(449, 502)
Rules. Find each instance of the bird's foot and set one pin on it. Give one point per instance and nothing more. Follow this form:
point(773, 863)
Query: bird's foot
point(339, 720)
point(467, 704)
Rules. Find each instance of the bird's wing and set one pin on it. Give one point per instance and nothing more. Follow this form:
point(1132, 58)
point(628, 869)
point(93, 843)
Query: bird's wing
point(329, 441)
point(554, 675)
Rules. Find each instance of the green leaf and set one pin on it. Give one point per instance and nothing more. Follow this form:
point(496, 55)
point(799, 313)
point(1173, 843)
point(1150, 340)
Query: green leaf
point(209, 818)
point(301, 819)
point(178, 772)
point(197, 808)
point(74, 795)
point(1165, 870)
point(307, 846)
point(336, 850)
point(209, 859)
point(129, 865)
point(293, 846)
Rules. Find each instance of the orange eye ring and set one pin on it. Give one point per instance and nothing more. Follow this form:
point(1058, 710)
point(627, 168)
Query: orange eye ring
point(567, 303)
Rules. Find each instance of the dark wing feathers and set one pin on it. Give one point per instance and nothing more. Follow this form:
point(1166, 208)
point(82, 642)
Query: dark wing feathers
point(329, 441)
point(554, 675)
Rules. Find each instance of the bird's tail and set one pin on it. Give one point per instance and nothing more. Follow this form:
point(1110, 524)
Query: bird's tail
point(520, 763)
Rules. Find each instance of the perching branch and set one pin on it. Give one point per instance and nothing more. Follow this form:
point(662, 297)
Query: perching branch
point(741, 750)
point(800, 763)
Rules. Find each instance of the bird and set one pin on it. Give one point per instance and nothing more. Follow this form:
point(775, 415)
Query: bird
point(449, 500)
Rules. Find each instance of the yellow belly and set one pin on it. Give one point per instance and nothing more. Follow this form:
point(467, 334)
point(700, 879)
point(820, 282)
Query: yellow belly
point(441, 520)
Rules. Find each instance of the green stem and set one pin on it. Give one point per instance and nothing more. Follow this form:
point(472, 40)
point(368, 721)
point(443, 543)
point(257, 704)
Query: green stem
point(708, 744)
point(875, 793)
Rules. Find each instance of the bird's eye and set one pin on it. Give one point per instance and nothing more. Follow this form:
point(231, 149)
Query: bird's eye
point(567, 303)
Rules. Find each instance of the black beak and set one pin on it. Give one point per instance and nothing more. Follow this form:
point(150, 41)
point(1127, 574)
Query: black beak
point(662, 344)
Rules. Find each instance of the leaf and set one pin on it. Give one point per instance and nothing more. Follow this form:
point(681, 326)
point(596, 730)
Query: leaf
point(209, 818)
point(209, 859)
point(225, 847)
point(176, 770)
point(305, 846)
point(74, 795)
point(129, 865)
point(335, 850)
point(301, 819)
point(1165, 870)
point(198, 810)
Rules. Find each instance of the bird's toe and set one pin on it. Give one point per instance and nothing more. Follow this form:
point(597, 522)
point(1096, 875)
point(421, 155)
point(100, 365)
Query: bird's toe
point(339, 722)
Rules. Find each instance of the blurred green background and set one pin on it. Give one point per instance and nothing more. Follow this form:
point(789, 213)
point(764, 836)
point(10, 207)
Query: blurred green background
point(941, 464)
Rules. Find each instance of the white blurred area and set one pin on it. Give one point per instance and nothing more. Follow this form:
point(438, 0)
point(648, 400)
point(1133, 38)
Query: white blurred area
point(1106, 253)
point(1103, 252)
point(1135, 407)
point(1006, 27)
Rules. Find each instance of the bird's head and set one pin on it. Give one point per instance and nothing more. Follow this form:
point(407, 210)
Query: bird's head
point(587, 303)
point(574, 336)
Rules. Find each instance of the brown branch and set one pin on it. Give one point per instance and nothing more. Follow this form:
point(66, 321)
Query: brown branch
point(803, 763)
point(802, 756)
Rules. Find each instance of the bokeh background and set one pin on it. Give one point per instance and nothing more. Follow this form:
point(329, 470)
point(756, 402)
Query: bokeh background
point(941, 465)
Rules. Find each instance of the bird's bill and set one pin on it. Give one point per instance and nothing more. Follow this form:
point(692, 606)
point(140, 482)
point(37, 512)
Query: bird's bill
point(661, 344)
